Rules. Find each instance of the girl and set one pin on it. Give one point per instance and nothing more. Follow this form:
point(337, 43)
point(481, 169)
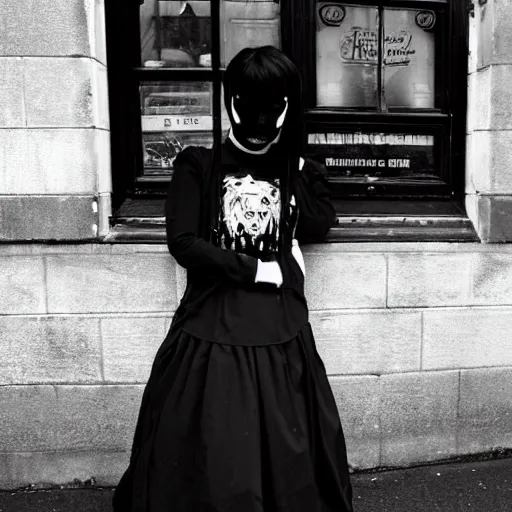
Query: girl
point(238, 414)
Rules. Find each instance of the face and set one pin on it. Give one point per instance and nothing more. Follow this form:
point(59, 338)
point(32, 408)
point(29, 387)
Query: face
point(257, 121)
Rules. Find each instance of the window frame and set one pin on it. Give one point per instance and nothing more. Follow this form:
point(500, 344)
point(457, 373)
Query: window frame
point(448, 118)
point(124, 76)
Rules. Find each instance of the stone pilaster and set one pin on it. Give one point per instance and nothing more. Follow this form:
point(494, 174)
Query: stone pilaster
point(489, 162)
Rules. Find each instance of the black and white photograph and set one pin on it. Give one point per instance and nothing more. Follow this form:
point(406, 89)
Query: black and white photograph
point(254, 256)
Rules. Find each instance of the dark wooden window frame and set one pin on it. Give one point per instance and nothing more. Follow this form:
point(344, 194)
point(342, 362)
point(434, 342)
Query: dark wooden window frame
point(126, 74)
point(447, 121)
point(137, 203)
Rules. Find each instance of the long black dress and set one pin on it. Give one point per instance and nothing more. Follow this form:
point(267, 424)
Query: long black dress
point(238, 414)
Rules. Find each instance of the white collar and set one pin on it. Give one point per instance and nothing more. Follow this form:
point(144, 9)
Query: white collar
point(237, 144)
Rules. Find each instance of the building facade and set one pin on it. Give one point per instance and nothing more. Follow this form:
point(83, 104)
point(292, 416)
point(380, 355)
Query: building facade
point(411, 295)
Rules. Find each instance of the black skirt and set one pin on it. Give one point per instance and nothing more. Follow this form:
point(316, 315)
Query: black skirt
point(236, 429)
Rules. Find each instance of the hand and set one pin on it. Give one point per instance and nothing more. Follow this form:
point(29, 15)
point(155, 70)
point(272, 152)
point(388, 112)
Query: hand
point(297, 254)
point(269, 272)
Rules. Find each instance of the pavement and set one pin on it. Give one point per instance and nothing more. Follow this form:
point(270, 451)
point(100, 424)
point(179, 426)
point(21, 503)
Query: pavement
point(484, 486)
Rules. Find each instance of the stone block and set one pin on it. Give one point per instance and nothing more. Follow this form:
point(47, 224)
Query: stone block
point(101, 110)
point(45, 161)
point(97, 417)
point(467, 338)
point(104, 179)
point(479, 170)
point(59, 92)
point(418, 417)
point(480, 93)
point(485, 410)
point(65, 30)
point(42, 249)
point(28, 416)
point(47, 218)
point(484, 16)
point(492, 279)
point(501, 96)
point(471, 171)
point(130, 345)
point(95, 12)
point(104, 213)
point(16, 249)
point(340, 280)
point(358, 405)
point(49, 349)
point(488, 160)
point(12, 104)
point(139, 248)
point(111, 283)
point(490, 98)
point(428, 279)
point(502, 34)
point(471, 205)
point(19, 470)
point(494, 214)
point(22, 286)
point(368, 342)
point(494, 33)
point(68, 418)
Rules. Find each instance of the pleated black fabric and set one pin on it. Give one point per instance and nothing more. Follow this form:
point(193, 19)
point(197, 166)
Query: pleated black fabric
point(226, 428)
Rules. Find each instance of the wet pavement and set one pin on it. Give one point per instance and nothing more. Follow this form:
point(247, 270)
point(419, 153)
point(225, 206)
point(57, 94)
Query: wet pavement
point(459, 487)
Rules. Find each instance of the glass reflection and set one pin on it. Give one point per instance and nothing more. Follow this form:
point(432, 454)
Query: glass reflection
point(175, 33)
point(346, 55)
point(174, 116)
point(409, 58)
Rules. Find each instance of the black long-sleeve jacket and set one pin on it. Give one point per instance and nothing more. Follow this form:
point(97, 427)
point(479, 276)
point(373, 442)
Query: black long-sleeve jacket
point(222, 302)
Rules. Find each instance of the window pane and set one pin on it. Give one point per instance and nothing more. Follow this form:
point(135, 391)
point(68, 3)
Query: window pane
point(409, 58)
point(377, 155)
point(248, 23)
point(174, 116)
point(346, 55)
point(175, 34)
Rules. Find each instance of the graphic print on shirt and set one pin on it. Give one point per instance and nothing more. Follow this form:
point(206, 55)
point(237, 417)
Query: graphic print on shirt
point(250, 213)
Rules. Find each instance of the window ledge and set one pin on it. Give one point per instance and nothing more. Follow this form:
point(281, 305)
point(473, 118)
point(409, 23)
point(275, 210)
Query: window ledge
point(402, 229)
point(347, 229)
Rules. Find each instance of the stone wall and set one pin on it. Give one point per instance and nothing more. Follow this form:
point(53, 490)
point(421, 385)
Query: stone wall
point(415, 339)
point(55, 177)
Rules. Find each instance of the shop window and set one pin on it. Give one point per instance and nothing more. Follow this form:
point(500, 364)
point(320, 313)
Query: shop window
point(165, 79)
point(384, 84)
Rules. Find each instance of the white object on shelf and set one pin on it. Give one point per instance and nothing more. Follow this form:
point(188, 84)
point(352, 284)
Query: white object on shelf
point(154, 63)
point(205, 60)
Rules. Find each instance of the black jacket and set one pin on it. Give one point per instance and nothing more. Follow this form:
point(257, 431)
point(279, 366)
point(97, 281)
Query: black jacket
point(191, 206)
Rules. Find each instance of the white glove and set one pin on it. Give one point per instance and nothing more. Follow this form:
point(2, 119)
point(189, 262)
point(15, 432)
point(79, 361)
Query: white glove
point(269, 272)
point(297, 254)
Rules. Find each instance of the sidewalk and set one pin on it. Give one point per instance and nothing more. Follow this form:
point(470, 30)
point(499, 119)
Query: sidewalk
point(477, 487)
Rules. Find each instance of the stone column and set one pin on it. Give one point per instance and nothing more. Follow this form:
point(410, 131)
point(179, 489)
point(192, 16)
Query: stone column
point(55, 179)
point(489, 141)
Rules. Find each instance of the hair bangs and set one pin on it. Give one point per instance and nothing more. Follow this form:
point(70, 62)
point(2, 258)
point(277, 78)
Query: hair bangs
point(263, 72)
